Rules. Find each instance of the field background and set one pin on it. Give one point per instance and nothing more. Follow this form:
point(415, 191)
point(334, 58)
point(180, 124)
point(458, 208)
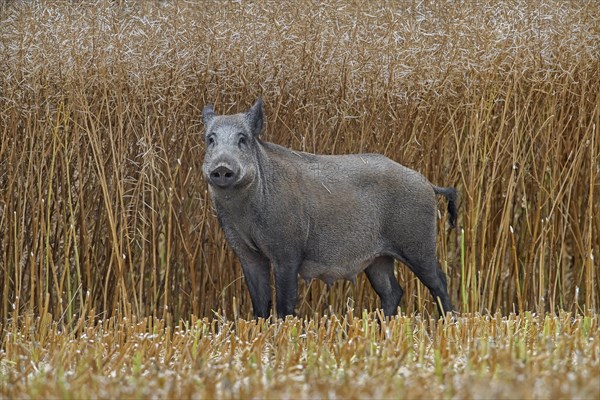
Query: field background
point(103, 206)
point(104, 214)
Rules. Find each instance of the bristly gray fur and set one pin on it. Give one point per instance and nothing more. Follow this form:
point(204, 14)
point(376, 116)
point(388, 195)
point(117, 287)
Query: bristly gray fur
point(319, 216)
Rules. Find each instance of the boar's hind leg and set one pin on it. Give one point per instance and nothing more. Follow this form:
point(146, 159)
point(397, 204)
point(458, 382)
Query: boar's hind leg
point(381, 275)
point(427, 269)
point(258, 274)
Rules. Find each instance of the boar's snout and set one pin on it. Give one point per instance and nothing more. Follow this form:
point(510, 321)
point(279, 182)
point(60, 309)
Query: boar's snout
point(222, 177)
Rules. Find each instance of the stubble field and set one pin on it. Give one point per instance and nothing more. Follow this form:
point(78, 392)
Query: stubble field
point(115, 279)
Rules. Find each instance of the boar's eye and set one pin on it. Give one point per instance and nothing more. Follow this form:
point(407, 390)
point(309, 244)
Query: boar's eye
point(242, 141)
point(210, 140)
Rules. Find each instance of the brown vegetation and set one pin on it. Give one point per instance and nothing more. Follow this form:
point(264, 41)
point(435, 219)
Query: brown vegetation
point(346, 356)
point(103, 209)
point(110, 251)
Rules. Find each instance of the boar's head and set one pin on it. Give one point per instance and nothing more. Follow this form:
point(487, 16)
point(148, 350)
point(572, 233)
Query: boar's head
point(230, 159)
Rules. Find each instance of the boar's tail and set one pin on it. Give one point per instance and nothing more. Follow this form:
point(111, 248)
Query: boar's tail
point(450, 194)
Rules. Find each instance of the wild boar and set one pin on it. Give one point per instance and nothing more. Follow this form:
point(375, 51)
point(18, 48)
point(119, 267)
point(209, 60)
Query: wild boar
point(319, 216)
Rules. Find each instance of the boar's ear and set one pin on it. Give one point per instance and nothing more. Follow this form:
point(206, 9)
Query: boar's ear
point(255, 117)
point(208, 113)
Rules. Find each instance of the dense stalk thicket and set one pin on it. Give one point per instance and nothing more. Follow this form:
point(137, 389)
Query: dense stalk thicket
point(103, 209)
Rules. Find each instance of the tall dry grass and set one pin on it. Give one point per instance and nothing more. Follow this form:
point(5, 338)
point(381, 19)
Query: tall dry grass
point(103, 209)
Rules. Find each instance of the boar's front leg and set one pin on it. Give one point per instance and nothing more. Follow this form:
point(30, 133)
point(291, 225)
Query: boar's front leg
point(258, 274)
point(286, 288)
